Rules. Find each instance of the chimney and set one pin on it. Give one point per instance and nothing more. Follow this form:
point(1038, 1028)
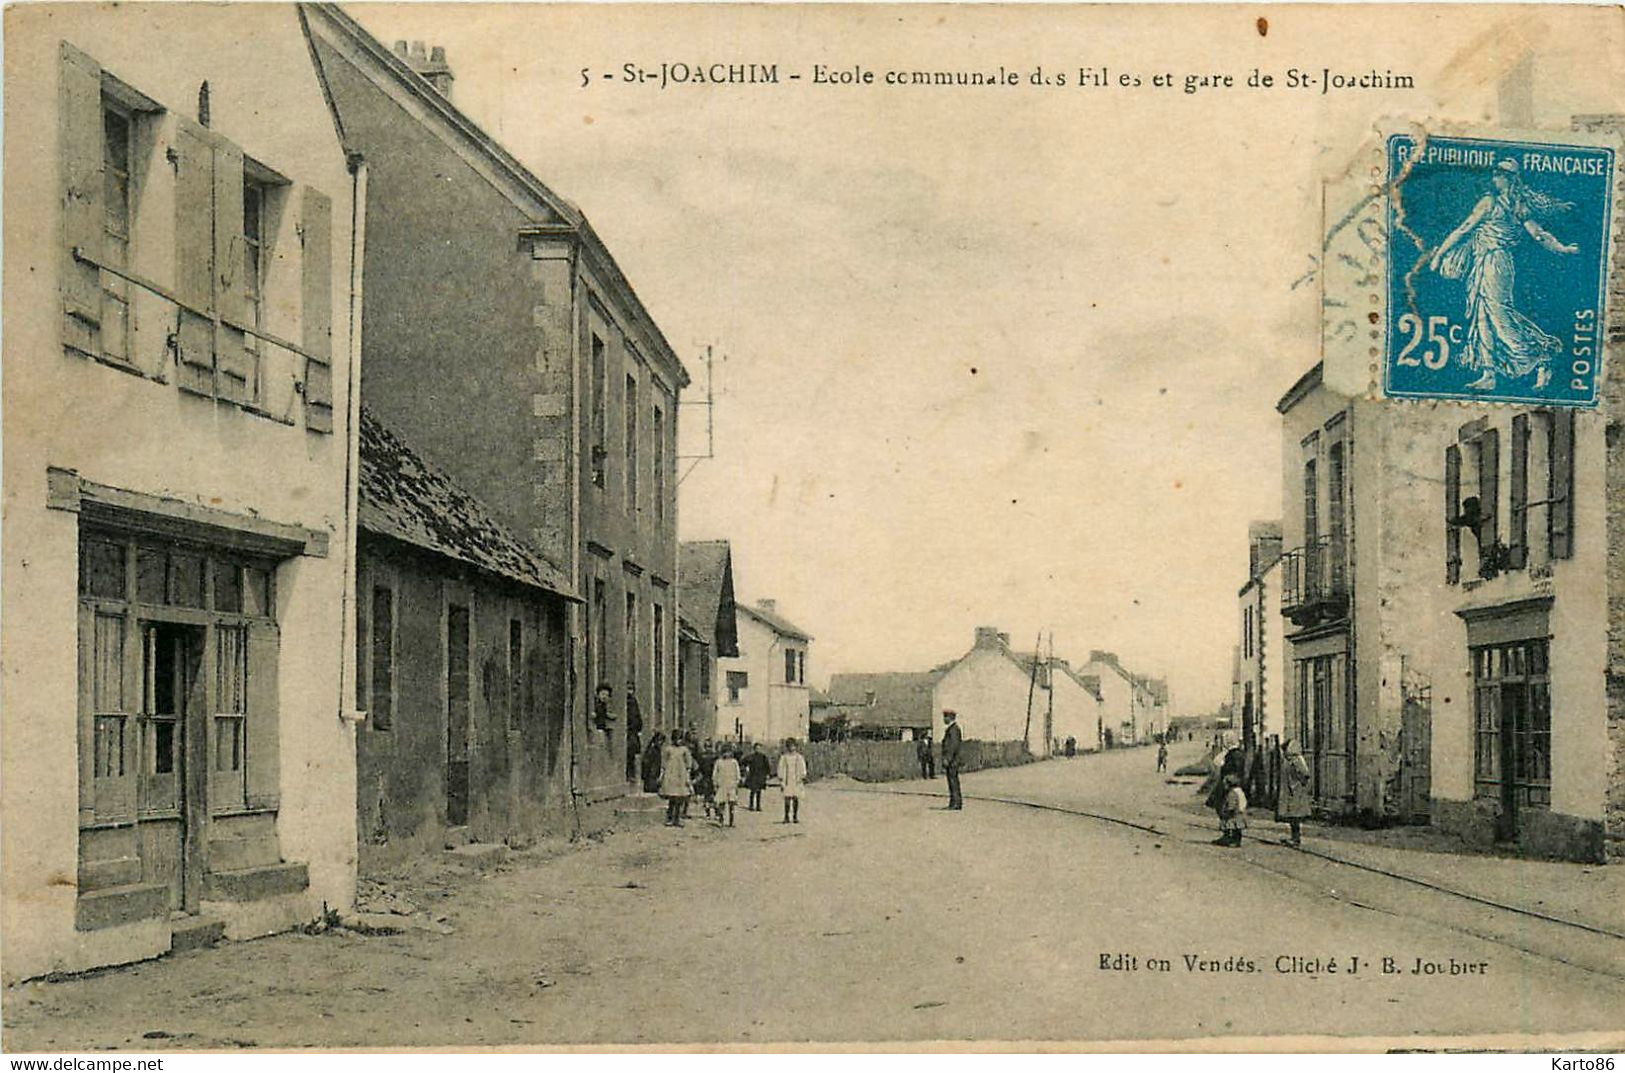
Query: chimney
point(430, 64)
point(769, 606)
point(989, 637)
point(1100, 656)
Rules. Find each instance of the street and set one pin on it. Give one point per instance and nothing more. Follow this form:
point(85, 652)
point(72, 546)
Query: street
point(878, 918)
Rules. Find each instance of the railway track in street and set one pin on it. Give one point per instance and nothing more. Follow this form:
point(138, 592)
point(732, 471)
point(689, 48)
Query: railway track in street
point(1572, 942)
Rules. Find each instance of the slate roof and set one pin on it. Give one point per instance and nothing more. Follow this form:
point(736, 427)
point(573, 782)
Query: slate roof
point(776, 622)
point(705, 588)
point(406, 498)
point(686, 631)
point(902, 698)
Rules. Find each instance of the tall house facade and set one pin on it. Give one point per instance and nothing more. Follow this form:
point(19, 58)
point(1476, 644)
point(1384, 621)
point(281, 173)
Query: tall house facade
point(176, 753)
point(1451, 596)
point(512, 354)
point(1259, 697)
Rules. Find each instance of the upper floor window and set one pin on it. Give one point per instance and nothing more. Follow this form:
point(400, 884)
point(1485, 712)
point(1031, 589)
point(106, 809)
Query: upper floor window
point(631, 444)
point(790, 665)
point(657, 436)
point(118, 132)
point(1539, 496)
point(184, 295)
point(600, 405)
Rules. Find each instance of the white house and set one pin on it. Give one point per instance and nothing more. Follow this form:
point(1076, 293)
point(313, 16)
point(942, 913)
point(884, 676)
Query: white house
point(1002, 695)
point(762, 693)
point(1135, 708)
point(176, 759)
point(991, 691)
point(1078, 710)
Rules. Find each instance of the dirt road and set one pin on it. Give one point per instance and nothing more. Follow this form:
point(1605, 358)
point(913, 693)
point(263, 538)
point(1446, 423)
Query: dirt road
point(879, 918)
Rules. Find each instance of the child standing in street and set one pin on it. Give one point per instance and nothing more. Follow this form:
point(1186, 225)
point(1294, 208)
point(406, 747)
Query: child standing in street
point(1233, 816)
point(792, 777)
point(756, 772)
point(676, 780)
point(725, 785)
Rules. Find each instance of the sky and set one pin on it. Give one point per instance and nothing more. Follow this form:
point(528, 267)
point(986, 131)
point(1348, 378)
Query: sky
point(1001, 356)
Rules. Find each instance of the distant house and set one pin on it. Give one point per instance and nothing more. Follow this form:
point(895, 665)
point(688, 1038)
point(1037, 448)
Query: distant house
point(762, 692)
point(708, 629)
point(1077, 712)
point(1136, 707)
point(461, 650)
point(890, 706)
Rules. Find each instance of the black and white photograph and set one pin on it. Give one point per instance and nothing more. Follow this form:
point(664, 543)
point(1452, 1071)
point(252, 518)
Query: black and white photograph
point(782, 527)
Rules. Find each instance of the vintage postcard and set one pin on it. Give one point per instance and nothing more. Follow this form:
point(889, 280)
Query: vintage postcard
point(923, 527)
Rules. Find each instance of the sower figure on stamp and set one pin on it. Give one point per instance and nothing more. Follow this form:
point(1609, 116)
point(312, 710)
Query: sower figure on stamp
point(952, 743)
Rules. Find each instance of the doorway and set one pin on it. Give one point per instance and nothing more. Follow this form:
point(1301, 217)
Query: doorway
point(174, 759)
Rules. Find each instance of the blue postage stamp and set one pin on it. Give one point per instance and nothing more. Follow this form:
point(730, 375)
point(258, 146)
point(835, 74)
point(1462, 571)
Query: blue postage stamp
point(1497, 269)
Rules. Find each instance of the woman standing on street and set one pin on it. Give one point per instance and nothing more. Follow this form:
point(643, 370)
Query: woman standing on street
point(1293, 805)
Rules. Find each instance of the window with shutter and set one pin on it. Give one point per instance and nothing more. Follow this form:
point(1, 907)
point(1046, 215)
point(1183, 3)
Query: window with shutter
point(1560, 487)
point(263, 722)
point(194, 257)
point(232, 381)
point(84, 216)
point(1489, 498)
point(1518, 496)
point(1452, 514)
point(316, 312)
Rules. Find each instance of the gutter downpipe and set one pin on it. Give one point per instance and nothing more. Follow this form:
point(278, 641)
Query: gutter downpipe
point(352, 434)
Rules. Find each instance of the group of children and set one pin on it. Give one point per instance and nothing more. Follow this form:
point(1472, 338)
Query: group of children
point(715, 776)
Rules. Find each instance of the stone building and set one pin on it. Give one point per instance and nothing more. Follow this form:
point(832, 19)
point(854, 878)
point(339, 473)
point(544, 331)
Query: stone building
point(461, 639)
point(178, 761)
point(508, 348)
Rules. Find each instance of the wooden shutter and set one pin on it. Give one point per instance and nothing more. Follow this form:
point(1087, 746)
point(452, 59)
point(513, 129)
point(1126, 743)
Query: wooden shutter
point(237, 377)
point(1518, 513)
point(83, 199)
point(1560, 491)
point(194, 255)
point(1489, 490)
point(316, 308)
point(1452, 510)
point(87, 715)
point(264, 717)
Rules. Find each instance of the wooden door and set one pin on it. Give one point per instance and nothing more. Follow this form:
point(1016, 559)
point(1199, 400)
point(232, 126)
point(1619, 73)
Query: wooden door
point(457, 704)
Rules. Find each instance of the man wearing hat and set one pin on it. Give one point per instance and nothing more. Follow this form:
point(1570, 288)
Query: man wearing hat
point(951, 738)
